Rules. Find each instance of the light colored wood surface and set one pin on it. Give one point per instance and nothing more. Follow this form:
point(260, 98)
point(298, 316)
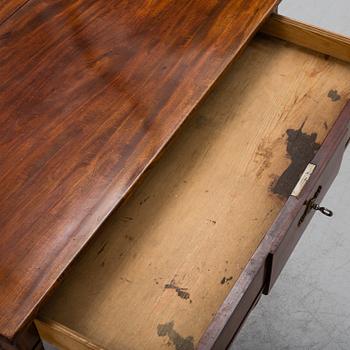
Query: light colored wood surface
point(62, 337)
point(308, 36)
point(203, 208)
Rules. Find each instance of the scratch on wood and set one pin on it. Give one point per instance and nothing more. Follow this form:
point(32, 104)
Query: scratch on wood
point(144, 200)
point(266, 154)
point(102, 248)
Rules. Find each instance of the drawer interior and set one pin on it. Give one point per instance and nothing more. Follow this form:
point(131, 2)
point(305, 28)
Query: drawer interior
point(163, 262)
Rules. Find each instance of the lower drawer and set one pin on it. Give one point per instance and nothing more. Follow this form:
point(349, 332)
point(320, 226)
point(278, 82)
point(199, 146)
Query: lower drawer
point(183, 260)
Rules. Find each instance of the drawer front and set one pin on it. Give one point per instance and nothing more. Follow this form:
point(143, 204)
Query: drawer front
point(298, 212)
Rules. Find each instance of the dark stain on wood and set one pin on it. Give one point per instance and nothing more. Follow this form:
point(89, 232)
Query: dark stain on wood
point(301, 148)
point(175, 338)
point(334, 96)
point(181, 292)
point(226, 280)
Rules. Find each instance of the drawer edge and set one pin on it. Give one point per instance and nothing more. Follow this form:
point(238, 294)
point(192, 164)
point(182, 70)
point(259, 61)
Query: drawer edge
point(63, 337)
point(328, 161)
point(308, 36)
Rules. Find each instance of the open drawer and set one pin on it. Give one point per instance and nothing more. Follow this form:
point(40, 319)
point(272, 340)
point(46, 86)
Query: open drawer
point(181, 263)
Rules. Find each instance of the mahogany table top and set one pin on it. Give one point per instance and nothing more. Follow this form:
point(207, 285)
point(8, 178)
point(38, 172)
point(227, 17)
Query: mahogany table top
point(90, 93)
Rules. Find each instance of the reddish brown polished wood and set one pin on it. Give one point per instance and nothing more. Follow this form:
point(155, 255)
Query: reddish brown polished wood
point(90, 92)
point(9, 7)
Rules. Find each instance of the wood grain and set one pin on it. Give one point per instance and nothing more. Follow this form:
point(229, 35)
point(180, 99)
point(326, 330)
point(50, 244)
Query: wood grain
point(9, 7)
point(164, 262)
point(64, 338)
point(90, 92)
point(308, 36)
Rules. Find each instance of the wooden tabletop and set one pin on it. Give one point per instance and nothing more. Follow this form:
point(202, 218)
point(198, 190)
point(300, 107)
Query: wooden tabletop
point(9, 8)
point(90, 92)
